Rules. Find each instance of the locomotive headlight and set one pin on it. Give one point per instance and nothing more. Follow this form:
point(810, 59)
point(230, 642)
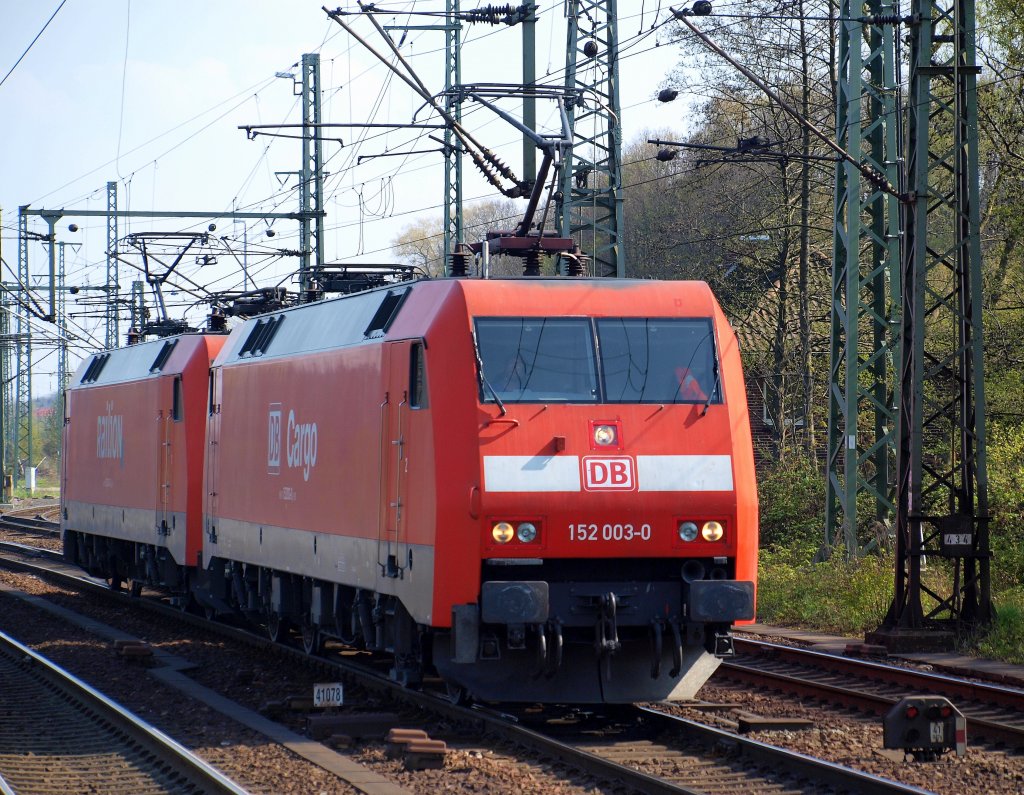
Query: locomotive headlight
point(712, 531)
point(526, 532)
point(687, 531)
point(502, 532)
point(605, 435)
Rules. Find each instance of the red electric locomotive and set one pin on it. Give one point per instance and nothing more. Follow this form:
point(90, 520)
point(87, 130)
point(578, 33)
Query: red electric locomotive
point(132, 479)
point(542, 489)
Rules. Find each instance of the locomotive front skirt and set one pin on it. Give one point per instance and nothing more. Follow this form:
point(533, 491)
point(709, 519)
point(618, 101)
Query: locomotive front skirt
point(541, 489)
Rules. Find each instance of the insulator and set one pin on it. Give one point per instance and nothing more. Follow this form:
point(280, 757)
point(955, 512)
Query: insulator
point(460, 259)
point(888, 19)
point(667, 95)
point(217, 321)
point(576, 264)
point(532, 265)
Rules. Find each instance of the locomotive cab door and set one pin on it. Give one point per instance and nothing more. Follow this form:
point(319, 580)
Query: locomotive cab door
point(392, 537)
point(165, 461)
point(211, 504)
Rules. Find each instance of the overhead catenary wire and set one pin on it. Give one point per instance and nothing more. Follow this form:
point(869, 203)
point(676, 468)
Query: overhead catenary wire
point(32, 43)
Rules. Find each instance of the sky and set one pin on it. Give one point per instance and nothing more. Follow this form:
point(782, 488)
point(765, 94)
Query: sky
point(150, 96)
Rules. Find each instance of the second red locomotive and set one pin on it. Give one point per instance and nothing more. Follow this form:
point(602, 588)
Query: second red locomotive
point(541, 489)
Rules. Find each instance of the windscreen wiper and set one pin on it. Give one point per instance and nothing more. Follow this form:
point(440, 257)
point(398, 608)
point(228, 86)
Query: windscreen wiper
point(714, 388)
point(483, 378)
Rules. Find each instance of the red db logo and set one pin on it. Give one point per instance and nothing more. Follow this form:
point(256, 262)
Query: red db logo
point(608, 473)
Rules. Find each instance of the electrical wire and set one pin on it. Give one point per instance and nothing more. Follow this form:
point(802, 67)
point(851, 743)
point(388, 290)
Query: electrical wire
point(32, 43)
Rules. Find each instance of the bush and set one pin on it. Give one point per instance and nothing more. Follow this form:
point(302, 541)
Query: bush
point(792, 503)
point(836, 596)
point(1004, 640)
point(1006, 505)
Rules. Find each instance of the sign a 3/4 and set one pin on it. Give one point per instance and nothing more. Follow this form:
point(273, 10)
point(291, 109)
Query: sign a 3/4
point(956, 536)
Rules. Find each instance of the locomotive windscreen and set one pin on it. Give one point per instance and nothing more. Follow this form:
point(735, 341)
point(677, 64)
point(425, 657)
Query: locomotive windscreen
point(598, 360)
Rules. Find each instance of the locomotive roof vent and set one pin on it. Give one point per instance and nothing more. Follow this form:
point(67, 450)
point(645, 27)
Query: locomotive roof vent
point(262, 334)
point(163, 356)
point(95, 367)
point(386, 312)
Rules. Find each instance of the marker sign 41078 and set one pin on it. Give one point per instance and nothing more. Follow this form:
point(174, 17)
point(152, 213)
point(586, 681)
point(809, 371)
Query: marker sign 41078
point(328, 694)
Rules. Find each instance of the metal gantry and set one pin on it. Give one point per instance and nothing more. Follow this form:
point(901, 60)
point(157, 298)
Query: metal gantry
point(311, 179)
point(863, 393)
point(941, 485)
point(592, 177)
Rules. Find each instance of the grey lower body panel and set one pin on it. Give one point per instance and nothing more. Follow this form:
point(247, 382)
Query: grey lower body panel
point(356, 562)
point(140, 525)
point(581, 679)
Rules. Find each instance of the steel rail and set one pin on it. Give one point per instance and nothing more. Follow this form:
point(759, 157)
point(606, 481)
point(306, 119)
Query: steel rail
point(170, 753)
point(780, 759)
point(32, 524)
point(873, 683)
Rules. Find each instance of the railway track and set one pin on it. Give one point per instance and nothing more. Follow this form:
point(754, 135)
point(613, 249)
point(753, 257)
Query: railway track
point(994, 712)
point(676, 755)
point(43, 516)
point(647, 752)
point(58, 735)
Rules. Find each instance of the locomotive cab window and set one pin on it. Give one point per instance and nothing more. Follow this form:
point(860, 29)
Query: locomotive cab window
point(658, 360)
point(603, 360)
point(537, 360)
point(417, 377)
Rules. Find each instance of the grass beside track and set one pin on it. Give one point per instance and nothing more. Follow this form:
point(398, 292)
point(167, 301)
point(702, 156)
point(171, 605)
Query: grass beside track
point(852, 597)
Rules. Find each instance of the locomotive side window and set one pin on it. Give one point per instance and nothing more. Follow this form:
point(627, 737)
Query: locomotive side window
point(537, 360)
point(417, 377)
point(658, 360)
point(640, 360)
point(177, 406)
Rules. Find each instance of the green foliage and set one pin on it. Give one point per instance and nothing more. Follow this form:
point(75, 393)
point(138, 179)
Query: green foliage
point(1006, 498)
point(792, 499)
point(836, 596)
point(1005, 638)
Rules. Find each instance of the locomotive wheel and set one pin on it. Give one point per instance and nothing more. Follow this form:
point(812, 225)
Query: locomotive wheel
point(312, 640)
point(277, 627)
point(458, 695)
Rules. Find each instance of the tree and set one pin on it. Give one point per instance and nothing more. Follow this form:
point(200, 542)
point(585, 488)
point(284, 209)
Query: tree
point(421, 243)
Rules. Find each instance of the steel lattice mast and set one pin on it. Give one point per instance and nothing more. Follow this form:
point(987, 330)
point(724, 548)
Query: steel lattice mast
point(21, 446)
point(453, 231)
point(941, 486)
point(61, 321)
point(311, 180)
point(113, 286)
point(591, 177)
point(863, 394)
